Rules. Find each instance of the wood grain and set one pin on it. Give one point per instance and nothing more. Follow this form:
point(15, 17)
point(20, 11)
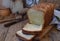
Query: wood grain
point(11, 36)
point(45, 31)
point(3, 32)
point(52, 35)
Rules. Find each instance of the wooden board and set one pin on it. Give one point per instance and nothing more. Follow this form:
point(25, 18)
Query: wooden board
point(11, 36)
point(3, 32)
point(9, 18)
point(52, 35)
point(55, 34)
point(46, 38)
point(44, 32)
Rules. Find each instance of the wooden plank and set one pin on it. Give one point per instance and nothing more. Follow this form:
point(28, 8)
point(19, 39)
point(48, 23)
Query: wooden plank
point(46, 38)
point(10, 18)
point(3, 32)
point(44, 32)
point(55, 35)
point(11, 36)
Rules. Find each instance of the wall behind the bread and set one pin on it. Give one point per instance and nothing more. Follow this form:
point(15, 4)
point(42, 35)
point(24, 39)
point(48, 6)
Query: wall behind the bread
point(4, 2)
point(52, 1)
point(0, 3)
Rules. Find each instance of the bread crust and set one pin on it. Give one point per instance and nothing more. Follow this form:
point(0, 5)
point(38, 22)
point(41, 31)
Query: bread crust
point(30, 32)
point(49, 14)
point(47, 9)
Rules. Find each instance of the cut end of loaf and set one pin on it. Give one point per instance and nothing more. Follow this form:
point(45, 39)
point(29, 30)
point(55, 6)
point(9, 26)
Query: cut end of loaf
point(41, 14)
point(36, 17)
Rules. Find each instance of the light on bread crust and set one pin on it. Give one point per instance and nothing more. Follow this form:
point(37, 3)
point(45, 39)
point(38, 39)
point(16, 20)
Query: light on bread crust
point(41, 14)
point(39, 17)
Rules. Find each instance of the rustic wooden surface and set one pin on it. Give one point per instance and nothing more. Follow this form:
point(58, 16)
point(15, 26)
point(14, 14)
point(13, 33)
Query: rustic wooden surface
point(45, 31)
point(9, 18)
point(3, 32)
point(11, 36)
point(9, 33)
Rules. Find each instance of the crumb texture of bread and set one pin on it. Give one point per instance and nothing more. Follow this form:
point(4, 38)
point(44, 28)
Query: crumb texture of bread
point(32, 27)
point(41, 14)
point(24, 36)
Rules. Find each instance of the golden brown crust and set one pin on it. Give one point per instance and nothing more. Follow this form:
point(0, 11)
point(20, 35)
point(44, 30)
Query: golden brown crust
point(49, 14)
point(48, 9)
point(40, 7)
point(30, 32)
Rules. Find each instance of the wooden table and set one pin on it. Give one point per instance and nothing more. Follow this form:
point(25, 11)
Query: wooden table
point(9, 33)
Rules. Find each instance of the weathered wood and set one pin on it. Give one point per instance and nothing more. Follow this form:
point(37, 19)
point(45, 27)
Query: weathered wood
point(3, 32)
point(10, 18)
point(54, 34)
point(45, 31)
point(46, 38)
point(11, 36)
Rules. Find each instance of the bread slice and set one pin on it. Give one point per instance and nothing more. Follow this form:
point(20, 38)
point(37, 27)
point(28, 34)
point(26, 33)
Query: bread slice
point(24, 36)
point(32, 29)
point(41, 14)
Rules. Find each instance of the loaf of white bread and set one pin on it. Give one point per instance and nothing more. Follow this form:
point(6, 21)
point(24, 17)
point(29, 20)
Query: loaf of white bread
point(39, 16)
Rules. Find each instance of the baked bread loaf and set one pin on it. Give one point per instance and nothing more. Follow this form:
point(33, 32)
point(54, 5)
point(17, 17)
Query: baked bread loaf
point(32, 29)
point(24, 37)
point(41, 14)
